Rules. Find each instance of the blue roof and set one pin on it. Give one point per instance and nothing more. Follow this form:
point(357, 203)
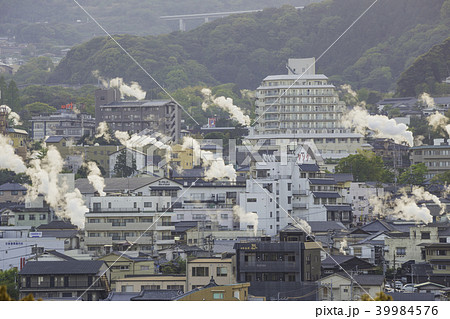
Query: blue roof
point(309, 167)
point(326, 194)
point(54, 139)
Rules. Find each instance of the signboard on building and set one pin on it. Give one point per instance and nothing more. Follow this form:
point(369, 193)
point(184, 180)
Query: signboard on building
point(35, 234)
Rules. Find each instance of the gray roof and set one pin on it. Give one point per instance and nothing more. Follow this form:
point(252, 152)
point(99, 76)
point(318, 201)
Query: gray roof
point(322, 181)
point(377, 226)
point(333, 259)
point(324, 226)
point(120, 296)
point(54, 139)
point(326, 194)
point(69, 233)
point(369, 280)
point(336, 208)
point(309, 167)
point(12, 187)
point(60, 255)
point(62, 267)
point(113, 185)
point(136, 103)
point(156, 295)
point(184, 225)
point(400, 296)
point(341, 177)
point(56, 225)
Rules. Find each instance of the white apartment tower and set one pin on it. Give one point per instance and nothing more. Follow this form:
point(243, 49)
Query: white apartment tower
point(302, 106)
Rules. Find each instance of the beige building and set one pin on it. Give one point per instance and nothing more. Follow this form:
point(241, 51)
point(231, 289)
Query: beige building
point(201, 270)
point(340, 287)
point(438, 255)
point(402, 249)
point(436, 157)
point(151, 282)
point(131, 263)
point(214, 292)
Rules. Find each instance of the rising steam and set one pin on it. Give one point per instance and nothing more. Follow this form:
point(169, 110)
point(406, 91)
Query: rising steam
point(8, 158)
point(134, 89)
point(239, 214)
point(95, 178)
point(226, 104)
point(215, 166)
point(102, 130)
point(361, 120)
point(439, 121)
point(406, 206)
point(13, 116)
point(426, 99)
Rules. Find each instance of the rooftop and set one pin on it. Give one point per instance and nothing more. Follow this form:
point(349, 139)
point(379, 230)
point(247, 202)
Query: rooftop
point(12, 187)
point(69, 267)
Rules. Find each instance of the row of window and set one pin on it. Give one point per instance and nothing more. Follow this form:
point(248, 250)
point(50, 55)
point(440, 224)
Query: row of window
point(204, 271)
point(32, 217)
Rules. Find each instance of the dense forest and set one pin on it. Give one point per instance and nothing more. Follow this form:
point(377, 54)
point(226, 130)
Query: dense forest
point(243, 49)
point(427, 73)
point(64, 22)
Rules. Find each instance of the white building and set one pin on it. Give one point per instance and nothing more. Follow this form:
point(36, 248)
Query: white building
point(18, 243)
point(303, 106)
point(297, 188)
point(358, 195)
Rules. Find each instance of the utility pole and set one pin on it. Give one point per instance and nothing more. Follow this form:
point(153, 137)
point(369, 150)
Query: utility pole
point(351, 285)
point(36, 251)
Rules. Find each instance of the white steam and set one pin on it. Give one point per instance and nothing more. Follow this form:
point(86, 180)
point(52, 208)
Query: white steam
point(249, 218)
point(134, 89)
point(102, 130)
point(359, 119)
point(13, 116)
point(44, 175)
point(214, 165)
point(8, 158)
point(123, 137)
point(226, 104)
point(343, 246)
point(95, 178)
point(439, 121)
point(303, 225)
point(426, 99)
point(406, 207)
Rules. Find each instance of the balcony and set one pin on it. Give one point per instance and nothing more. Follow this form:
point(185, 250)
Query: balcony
point(299, 192)
point(300, 205)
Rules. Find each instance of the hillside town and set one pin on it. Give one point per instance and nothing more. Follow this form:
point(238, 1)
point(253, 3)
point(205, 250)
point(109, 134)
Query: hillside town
point(133, 204)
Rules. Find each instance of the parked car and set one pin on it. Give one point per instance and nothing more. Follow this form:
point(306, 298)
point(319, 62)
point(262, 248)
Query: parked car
point(398, 285)
point(409, 288)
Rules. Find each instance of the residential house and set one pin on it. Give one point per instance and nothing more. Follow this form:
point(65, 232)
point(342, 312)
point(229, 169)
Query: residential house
point(337, 263)
point(12, 193)
point(200, 270)
point(85, 279)
point(342, 287)
point(151, 282)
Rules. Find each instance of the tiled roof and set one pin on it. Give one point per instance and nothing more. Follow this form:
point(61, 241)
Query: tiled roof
point(326, 194)
point(12, 187)
point(309, 167)
point(62, 267)
point(324, 226)
point(116, 184)
point(57, 225)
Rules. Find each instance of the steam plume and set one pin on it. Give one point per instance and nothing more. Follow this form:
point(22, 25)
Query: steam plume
point(343, 246)
point(215, 166)
point(438, 120)
point(239, 214)
point(95, 178)
point(427, 100)
point(226, 104)
point(75, 208)
point(361, 120)
point(102, 130)
point(406, 206)
point(8, 159)
point(134, 89)
point(12, 115)
point(303, 225)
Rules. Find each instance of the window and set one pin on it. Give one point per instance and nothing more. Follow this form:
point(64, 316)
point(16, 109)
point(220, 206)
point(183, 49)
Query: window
point(291, 258)
point(67, 294)
point(443, 240)
point(31, 217)
point(441, 252)
point(14, 193)
point(175, 287)
point(289, 199)
point(93, 220)
point(401, 251)
point(200, 271)
point(42, 216)
point(441, 267)
point(425, 235)
point(66, 281)
point(21, 217)
point(222, 271)
point(180, 216)
point(251, 200)
point(127, 288)
point(218, 295)
point(224, 216)
point(147, 204)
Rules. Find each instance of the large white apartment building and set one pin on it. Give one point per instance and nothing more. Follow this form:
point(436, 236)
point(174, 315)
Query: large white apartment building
point(303, 106)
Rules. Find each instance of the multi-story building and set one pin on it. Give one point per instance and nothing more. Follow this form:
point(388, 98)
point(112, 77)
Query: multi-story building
point(301, 106)
point(12, 193)
point(151, 282)
point(114, 222)
point(393, 154)
point(161, 116)
point(280, 189)
point(85, 279)
point(436, 157)
point(437, 255)
point(201, 270)
point(276, 269)
point(63, 123)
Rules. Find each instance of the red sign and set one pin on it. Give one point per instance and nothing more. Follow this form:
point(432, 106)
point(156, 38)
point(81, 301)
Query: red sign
point(67, 106)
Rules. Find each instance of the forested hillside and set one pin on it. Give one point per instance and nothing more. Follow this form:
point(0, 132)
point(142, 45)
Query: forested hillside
point(243, 49)
point(63, 22)
point(427, 73)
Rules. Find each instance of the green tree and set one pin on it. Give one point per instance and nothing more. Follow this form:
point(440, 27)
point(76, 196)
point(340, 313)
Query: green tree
point(415, 175)
point(9, 279)
point(12, 96)
point(380, 296)
point(124, 167)
point(176, 266)
point(443, 178)
point(3, 90)
point(365, 166)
